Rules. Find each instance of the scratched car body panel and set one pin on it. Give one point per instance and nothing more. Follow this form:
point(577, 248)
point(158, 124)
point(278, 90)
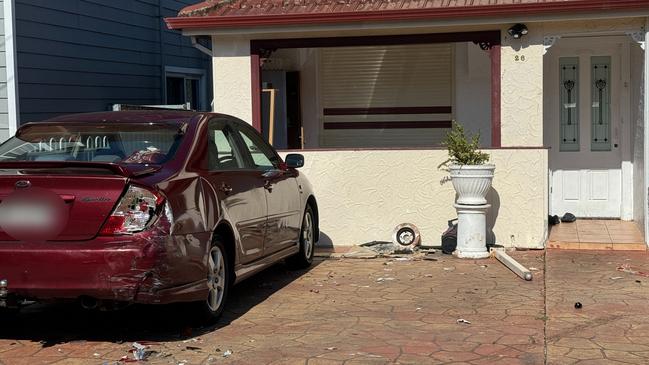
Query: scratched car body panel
point(145, 196)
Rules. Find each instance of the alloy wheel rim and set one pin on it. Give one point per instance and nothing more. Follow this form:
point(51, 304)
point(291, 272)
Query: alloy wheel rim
point(307, 236)
point(215, 279)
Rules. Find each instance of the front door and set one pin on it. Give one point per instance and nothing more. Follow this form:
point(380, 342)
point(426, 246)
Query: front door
point(584, 129)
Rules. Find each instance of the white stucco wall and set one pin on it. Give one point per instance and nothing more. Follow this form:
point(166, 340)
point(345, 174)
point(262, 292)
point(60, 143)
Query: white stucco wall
point(232, 77)
point(522, 88)
point(363, 195)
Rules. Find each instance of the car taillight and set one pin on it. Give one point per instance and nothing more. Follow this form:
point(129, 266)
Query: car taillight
point(133, 213)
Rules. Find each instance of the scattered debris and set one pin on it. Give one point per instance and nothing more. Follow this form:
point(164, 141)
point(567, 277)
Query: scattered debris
point(512, 264)
point(139, 351)
point(463, 321)
point(331, 348)
point(359, 252)
point(449, 269)
point(227, 353)
point(403, 259)
point(616, 277)
point(314, 291)
point(626, 268)
point(578, 305)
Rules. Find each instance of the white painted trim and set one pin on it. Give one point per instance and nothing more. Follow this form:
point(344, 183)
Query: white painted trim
point(638, 37)
point(549, 41)
point(13, 108)
point(626, 144)
point(199, 73)
point(645, 194)
point(200, 47)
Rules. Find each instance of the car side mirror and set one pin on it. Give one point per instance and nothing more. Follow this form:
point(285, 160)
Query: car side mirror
point(294, 161)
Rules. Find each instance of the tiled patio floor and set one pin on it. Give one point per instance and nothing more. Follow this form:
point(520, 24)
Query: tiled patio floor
point(592, 234)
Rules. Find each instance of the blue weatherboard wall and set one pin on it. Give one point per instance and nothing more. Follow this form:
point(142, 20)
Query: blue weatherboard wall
point(85, 55)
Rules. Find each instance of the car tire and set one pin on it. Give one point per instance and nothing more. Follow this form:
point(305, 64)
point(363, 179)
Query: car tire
point(304, 258)
point(219, 281)
point(8, 315)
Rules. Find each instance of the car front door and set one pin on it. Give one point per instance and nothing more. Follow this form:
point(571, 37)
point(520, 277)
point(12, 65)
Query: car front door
point(240, 190)
point(284, 213)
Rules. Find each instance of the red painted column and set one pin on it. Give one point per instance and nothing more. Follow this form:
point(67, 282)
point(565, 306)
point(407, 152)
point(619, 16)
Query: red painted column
point(255, 79)
point(495, 96)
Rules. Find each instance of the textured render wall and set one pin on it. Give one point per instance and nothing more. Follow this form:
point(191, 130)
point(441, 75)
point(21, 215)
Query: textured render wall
point(522, 88)
point(232, 75)
point(363, 195)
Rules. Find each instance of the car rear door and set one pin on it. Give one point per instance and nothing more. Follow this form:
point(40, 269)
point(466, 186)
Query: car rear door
point(281, 188)
point(239, 189)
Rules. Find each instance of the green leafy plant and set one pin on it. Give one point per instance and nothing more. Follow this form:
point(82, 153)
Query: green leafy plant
point(461, 149)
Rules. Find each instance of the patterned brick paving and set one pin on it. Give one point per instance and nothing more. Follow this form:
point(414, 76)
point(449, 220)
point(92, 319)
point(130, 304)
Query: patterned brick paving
point(374, 312)
point(612, 327)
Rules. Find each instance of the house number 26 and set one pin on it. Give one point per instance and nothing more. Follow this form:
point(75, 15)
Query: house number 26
point(519, 58)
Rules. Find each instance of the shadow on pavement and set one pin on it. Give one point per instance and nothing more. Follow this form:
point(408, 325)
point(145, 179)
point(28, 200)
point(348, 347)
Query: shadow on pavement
point(53, 324)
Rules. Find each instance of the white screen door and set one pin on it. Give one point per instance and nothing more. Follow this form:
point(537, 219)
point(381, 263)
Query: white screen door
point(584, 131)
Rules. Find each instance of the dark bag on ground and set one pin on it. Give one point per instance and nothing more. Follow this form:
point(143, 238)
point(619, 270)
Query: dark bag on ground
point(568, 218)
point(554, 220)
point(449, 237)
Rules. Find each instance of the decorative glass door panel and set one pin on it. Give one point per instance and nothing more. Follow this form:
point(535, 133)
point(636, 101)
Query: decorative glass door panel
point(601, 103)
point(569, 103)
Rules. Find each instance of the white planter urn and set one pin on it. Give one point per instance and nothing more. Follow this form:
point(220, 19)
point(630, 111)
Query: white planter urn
point(472, 183)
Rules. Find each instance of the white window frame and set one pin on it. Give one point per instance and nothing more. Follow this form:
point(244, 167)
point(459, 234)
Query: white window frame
point(191, 74)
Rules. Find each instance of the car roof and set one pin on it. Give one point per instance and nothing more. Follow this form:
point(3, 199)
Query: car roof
point(135, 116)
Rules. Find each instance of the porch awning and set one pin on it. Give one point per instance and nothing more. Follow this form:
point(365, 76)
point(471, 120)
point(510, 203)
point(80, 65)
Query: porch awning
point(254, 13)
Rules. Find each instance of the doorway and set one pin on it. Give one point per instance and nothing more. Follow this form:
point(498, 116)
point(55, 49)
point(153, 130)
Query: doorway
point(281, 109)
point(584, 128)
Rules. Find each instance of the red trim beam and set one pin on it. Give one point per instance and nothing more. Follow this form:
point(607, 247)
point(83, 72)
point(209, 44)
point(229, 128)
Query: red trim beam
point(389, 110)
point(421, 124)
point(309, 15)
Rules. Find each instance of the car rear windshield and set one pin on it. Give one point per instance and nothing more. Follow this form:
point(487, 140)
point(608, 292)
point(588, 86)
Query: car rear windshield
point(144, 143)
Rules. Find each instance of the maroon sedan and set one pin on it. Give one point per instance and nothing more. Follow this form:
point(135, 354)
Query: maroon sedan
point(146, 207)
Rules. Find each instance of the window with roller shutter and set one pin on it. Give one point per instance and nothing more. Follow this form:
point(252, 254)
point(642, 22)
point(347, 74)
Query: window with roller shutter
point(386, 96)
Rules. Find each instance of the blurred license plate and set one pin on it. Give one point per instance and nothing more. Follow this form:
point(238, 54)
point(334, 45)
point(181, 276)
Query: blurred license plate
point(26, 215)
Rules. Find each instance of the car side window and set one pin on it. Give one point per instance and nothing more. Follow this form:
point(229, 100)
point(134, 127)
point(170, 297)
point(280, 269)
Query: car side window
point(261, 154)
point(221, 151)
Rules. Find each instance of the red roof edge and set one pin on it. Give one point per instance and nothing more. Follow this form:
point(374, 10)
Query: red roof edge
point(202, 22)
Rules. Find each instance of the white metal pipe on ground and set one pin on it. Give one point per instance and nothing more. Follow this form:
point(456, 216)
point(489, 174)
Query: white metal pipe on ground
point(513, 265)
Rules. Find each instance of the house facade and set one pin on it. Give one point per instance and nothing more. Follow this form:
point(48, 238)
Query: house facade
point(366, 90)
point(73, 56)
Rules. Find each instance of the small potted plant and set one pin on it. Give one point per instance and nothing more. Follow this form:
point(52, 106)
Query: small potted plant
point(470, 174)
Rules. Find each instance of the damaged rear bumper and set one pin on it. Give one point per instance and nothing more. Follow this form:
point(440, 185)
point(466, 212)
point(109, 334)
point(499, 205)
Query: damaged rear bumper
point(136, 269)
